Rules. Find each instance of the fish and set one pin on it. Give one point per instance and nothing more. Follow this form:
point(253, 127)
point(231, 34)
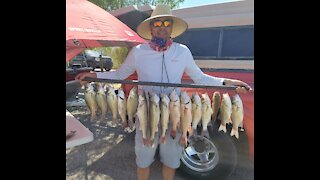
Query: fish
point(164, 116)
point(174, 112)
point(236, 115)
point(154, 112)
point(215, 105)
point(132, 105)
point(186, 116)
point(196, 112)
point(142, 114)
point(101, 99)
point(90, 99)
point(225, 112)
point(206, 113)
point(122, 107)
point(112, 100)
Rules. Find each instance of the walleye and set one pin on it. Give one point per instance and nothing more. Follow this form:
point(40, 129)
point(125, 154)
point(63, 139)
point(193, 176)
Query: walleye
point(216, 100)
point(142, 114)
point(225, 112)
point(206, 113)
point(112, 100)
point(101, 99)
point(122, 107)
point(90, 98)
point(154, 116)
point(196, 112)
point(236, 115)
point(174, 112)
point(186, 116)
point(132, 104)
point(164, 118)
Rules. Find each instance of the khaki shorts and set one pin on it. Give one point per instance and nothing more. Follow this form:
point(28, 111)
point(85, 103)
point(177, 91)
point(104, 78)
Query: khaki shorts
point(170, 152)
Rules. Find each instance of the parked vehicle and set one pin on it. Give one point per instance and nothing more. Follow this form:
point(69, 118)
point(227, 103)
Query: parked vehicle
point(93, 59)
point(78, 61)
point(87, 60)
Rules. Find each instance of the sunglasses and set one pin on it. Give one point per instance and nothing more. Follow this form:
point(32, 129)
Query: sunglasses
point(159, 23)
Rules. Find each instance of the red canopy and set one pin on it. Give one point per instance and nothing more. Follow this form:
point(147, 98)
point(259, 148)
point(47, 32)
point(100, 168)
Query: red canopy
point(88, 26)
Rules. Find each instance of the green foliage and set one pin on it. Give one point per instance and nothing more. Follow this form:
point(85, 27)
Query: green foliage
point(118, 54)
point(110, 5)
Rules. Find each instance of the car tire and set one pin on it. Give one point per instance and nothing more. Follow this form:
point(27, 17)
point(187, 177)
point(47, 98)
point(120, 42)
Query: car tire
point(226, 152)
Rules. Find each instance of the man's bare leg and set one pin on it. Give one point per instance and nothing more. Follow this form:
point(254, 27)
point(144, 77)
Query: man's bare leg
point(167, 172)
point(143, 173)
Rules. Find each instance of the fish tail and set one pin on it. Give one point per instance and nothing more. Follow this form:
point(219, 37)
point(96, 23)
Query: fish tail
point(124, 124)
point(222, 128)
point(183, 140)
point(145, 141)
point(235, 133)
point(163, 139)
point(205, 133)
point(173, 133)
point(151, 142)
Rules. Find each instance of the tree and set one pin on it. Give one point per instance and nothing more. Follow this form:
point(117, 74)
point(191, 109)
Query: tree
point(117, 53)
point(110, 5)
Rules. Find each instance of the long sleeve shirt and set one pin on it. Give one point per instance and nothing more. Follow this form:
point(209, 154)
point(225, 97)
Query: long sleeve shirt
point(167, 66)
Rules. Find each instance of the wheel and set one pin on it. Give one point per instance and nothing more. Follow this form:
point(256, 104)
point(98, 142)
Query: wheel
point(215, 157)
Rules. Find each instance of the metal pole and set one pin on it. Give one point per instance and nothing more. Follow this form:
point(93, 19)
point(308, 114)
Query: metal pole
point(84, 160)
point(135, 82)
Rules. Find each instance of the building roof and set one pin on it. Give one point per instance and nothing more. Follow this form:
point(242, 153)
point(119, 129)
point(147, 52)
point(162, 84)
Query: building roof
point(235, 13)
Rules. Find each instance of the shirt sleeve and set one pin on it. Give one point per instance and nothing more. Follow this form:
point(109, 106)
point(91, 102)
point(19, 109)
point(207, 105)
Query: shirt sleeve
point(195, 73)
point(125, 70)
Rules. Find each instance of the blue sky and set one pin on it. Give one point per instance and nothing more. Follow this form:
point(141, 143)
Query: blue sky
point(191, 3)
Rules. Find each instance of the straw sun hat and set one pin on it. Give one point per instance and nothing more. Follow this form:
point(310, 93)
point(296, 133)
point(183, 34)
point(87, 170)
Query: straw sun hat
point(178, 27)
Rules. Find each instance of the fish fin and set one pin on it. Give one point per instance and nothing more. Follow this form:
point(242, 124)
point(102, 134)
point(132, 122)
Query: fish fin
point(234, 133)
point(222, 128)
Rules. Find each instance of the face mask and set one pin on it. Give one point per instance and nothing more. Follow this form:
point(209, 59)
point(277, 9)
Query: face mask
point(158, 41)
point(160, 44)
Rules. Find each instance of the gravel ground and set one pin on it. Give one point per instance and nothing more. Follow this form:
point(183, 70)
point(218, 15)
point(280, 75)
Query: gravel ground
point(111, 154)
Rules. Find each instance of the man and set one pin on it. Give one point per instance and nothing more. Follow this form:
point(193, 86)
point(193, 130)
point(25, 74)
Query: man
point(161, 60)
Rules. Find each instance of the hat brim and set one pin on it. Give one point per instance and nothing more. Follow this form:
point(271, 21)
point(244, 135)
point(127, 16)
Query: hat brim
point(179, 26)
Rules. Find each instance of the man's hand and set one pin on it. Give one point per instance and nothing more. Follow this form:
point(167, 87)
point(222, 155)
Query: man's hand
point(242, 86)
point(82, 75)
